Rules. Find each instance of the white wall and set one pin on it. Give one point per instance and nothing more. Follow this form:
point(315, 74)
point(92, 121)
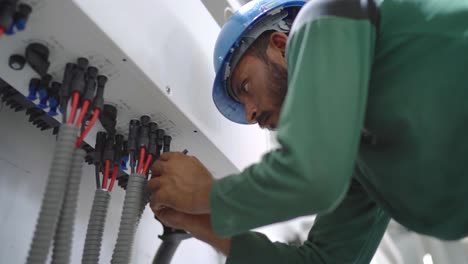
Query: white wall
point(25, 156)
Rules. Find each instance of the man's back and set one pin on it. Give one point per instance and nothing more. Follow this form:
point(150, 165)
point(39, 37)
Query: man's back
point(417, 112)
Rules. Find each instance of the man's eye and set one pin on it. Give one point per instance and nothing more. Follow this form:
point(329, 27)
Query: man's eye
point(245, 88)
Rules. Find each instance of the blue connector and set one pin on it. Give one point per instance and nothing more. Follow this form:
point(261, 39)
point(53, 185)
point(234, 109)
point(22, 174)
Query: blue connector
point(33, 85)
point(11, 30)
point(43, 97)
point(43, 93)
point(123, 163)
point(20, 24)
point(53, 104)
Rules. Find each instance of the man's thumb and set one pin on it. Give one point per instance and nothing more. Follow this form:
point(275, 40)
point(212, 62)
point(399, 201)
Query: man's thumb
point(171, 217)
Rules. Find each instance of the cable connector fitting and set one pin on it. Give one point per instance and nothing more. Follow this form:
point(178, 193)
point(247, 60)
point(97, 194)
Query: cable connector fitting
point(98, 102)
point(153, 139)
point(134, 127)
point(143, 137)
point(78, 79)
point(119, 140)
point(109, 148)
point(99, 147)
point(90, 88)
point(167, 143)
point(66, 83)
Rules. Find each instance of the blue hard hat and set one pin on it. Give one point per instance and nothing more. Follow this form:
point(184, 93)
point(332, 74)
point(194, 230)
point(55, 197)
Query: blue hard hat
point(249, 21)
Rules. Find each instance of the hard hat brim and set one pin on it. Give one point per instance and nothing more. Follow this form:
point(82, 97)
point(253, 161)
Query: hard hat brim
point(227, 106)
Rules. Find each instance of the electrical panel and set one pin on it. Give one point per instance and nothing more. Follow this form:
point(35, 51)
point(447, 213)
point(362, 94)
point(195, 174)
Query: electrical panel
point(157, 56)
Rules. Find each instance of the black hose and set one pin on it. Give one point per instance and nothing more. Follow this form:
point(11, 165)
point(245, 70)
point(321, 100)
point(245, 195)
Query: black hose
point(170, 242)
point(166, 251)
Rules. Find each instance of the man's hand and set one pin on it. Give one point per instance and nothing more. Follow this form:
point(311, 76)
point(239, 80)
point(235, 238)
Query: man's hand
point(181, 182)
point(198, 225)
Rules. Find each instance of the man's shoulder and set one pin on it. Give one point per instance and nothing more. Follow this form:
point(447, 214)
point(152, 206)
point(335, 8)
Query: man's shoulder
point(353, 9)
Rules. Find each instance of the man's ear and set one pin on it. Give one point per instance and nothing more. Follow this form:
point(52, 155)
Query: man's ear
point(278, 40)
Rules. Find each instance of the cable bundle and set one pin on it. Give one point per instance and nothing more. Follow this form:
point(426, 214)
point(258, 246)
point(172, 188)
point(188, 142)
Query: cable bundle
point(60, 199)
point(108, 150)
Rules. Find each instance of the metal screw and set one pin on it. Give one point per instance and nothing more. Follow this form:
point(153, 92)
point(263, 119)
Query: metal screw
point(168, 90)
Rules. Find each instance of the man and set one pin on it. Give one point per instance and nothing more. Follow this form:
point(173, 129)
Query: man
point(374, 126)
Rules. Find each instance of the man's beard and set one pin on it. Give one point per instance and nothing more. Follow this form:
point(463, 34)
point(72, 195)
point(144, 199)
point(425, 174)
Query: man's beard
point(278, 83)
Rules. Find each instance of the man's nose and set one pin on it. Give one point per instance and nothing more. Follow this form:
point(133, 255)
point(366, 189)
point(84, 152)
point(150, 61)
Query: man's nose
point(250, 113)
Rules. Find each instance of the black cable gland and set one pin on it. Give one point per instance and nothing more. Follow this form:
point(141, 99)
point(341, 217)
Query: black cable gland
point(108, 118)
point(109, 148)
point(119, 140)
point(133, 134)
point(99, 98)
point(7, 12)
point(37, 56)
point(160, 139)
point(125, 148)
point(82, 63)
point(99, 147)
point(45, 81)
point(90, 88)
point(66, 81)
point(143, 137)
point(78, 83)
point(153, 138)
point(54, 90)
point(167, 143)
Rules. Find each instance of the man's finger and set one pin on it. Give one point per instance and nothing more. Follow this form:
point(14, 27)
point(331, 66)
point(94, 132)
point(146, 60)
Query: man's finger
point(171, 217)
point(169, 155)
point(158, 168)
point(155, 184)
point(159, 199)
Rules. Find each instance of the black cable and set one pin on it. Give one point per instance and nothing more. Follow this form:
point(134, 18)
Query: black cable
point(98, 180)
point(169, 245)
point(132, 162)
point(166, 251)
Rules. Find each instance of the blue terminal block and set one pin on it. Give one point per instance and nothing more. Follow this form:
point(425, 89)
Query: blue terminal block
point(43, 91)
point(53, 104)
point(20, 24)
point(11, 30)
point(43, 97)
point(22, 16)
point(124, 162)
point(33, 87)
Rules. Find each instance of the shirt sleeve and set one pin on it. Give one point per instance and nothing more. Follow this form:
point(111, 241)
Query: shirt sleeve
point(329, 61)
point(349, 234)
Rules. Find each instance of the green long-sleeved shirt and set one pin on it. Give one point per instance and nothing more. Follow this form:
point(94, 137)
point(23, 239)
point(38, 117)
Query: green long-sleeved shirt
point(404, 78)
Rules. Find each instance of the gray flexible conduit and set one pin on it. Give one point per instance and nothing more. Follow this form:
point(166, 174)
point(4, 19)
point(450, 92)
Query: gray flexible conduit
point(64, 233)
point(53, 196)
point(144, 200)
point(129, 220)
point(95, 230)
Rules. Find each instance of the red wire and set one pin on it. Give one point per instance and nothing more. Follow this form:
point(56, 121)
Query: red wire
point(84, 109)
point(88, 128)
point(106, 174)
point(148, 163)
point(74, 107)
point(141, 160)
point(114, 176)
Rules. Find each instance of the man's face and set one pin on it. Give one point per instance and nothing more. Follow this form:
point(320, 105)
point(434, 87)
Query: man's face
point(261, 85)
